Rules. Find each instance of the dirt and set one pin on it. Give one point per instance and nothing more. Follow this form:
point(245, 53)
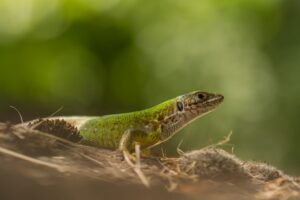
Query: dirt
point(36, 164)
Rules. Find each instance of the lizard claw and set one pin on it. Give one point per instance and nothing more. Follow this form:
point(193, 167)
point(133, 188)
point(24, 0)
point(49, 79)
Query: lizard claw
point(125, 155)
point(119, 155)
point(129, 157)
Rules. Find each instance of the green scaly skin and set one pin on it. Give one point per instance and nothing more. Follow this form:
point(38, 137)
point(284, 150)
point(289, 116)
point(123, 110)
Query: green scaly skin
point(147, 127)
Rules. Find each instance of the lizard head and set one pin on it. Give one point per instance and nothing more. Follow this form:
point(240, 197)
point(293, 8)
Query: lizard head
point(185, 108)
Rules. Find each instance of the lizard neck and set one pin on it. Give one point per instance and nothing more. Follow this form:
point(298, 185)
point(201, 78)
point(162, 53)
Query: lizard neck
point(161, 111)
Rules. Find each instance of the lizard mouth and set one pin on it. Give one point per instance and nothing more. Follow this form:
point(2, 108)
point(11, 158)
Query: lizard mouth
point(213, 101)
point(210, 104)
point(218, 98)
point(198, 108)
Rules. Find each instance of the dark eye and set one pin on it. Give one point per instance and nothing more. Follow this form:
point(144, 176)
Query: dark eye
point(201, 96)
point(180, 106)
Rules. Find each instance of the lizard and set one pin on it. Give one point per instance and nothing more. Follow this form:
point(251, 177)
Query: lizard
point(148, 127)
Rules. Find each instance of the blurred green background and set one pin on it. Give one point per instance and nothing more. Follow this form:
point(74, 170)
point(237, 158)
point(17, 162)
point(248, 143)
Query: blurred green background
point(96, 57)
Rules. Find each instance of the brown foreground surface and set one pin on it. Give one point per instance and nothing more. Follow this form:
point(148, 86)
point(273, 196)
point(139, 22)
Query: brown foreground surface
point(36, 165)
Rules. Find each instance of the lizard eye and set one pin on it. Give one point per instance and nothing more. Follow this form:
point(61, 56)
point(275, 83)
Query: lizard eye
point(179, 106)
point(201, 96)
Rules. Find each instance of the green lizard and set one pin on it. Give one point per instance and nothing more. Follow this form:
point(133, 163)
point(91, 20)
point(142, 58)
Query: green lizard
point(148, 127)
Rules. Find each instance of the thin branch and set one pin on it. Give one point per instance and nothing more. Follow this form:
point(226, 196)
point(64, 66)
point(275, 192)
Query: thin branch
point(19, 113)
point(57, 111)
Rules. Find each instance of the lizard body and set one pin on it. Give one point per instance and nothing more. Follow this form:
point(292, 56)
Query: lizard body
point(148, 127)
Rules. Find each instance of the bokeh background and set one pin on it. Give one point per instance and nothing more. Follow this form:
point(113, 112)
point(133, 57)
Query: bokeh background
point(96, 57)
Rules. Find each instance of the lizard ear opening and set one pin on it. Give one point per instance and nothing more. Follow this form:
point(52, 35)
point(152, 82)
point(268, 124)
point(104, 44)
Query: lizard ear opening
point(179, 105)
